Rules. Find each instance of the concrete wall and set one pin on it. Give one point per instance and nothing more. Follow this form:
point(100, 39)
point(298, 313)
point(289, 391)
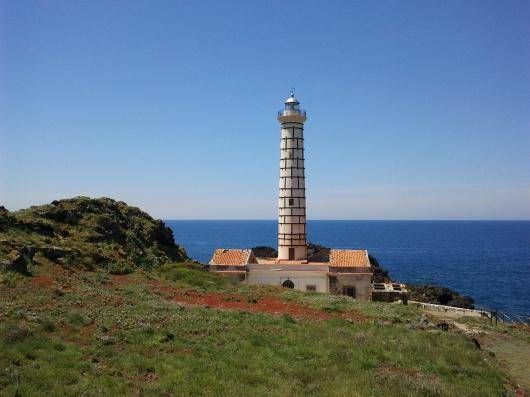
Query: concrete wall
point(450, 309)
point(361, 282)
point(301, 279)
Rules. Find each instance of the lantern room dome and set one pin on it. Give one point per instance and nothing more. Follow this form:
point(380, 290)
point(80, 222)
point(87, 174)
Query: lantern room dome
point(292, 100)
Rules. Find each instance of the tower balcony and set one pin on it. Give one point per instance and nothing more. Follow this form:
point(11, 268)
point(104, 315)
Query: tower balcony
point(291, 115)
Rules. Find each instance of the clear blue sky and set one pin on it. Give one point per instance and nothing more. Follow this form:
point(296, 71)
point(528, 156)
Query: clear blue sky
point(417, 109)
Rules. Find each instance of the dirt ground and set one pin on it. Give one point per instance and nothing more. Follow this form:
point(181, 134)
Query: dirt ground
point(512, 352)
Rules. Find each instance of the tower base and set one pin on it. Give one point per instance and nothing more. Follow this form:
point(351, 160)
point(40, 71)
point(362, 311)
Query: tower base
point(297, 253)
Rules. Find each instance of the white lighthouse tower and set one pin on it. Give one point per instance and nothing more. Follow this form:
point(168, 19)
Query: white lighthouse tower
point(292, 243)
point(343, 271)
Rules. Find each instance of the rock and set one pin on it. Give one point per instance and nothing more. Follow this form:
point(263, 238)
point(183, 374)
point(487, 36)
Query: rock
point(59, 214)
point(262, 251)
point(15, 333)
point(317, 253)
point(37, 226)
point(380, 274)
point(439, 295)
point(443, 326)
point(19, 260)
point(55, 253)
point(5, 219)
point(463, 301)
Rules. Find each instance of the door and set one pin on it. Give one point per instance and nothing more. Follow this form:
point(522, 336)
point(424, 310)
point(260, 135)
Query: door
point(291, 254)
point(350, 291)
point(288, 284)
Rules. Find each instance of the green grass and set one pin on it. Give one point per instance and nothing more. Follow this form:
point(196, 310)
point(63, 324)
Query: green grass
point(190, 276)
point(100, 337)
point(381, 311)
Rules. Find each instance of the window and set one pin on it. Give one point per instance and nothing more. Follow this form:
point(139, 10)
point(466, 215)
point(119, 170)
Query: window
point(291, 201)
point(311, 288)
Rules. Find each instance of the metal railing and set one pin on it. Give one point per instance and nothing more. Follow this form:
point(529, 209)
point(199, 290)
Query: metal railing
point(511, 318)
point(291, 112)
point(497, 315)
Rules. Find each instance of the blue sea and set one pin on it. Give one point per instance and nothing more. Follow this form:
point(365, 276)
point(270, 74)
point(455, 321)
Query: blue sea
point(488, 260)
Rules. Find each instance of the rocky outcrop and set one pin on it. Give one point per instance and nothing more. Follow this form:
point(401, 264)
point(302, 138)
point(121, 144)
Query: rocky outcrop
point(262, 251)
point(87, 232)
point(439, 295)
point(380, 275)
point(317, 253)
point(18, 260)
point(424, 293)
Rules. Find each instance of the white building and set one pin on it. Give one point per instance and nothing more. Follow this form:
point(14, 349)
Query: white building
point(346, 272)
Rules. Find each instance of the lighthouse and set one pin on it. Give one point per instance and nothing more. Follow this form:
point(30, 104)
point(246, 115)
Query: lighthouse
point(292, 242)
point(337, 271)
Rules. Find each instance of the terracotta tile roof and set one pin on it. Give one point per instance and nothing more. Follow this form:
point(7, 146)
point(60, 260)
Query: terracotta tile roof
point(349, 258)
point(231, 257)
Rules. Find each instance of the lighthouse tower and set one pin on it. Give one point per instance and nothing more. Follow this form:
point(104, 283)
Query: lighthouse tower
point(292, 243)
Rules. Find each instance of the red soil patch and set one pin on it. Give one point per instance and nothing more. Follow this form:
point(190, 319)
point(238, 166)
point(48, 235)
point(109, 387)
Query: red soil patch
point(264, 304)
point(122, 279)
point(42, 281)
point(87, 331)
point(269, 304)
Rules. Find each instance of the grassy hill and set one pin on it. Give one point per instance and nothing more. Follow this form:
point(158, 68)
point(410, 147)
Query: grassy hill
point(170, 328)
point(86, 233)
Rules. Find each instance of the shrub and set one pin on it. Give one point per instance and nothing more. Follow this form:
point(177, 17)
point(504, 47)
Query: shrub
point(48, 325)
point(76, 319)
point(288, 319)
point(58, 292)
point(16, 333)
point(120, 268)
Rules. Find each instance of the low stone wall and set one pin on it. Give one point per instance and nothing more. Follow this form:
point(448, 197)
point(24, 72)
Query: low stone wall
point(451, 309)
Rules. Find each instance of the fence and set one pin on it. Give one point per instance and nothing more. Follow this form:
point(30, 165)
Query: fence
point(493, 315)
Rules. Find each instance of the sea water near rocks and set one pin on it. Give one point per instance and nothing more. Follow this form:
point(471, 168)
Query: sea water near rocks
point(489, 260)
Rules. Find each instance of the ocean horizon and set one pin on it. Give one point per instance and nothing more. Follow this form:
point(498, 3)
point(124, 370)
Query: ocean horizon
point(486, 259)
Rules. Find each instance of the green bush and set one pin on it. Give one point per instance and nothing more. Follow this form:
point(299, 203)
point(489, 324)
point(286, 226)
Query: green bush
point(48, 325)
point(77, 319)
point(120, 268)
point(16, 333)
point(187, 276)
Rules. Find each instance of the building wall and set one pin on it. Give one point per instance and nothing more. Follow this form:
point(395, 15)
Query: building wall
point(301, 279)
point(302, 275)
point(361, 282)
point(236, 277)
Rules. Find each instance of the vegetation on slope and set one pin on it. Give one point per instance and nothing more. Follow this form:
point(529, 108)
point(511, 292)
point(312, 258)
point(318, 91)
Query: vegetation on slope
point(85, 232)
point(76, 324)
point(150, 333)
